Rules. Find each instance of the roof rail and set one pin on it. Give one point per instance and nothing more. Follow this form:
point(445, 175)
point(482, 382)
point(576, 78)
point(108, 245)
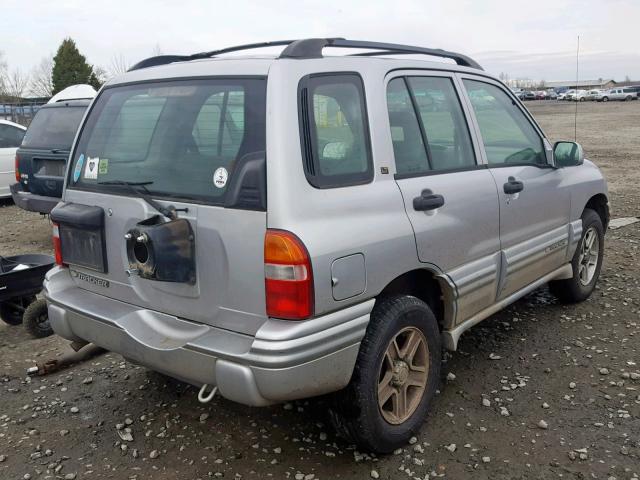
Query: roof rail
point(165, 59)
point(312, 48)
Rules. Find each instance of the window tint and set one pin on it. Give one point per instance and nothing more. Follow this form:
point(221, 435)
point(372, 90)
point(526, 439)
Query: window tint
point(128, 136)
point(10, 136)
point(440, 123)
point(444, 124)
point(219, 126)
point(507, 134)
point(408, 146)
point(335, 135)
point(186, 137)
point(54, 127)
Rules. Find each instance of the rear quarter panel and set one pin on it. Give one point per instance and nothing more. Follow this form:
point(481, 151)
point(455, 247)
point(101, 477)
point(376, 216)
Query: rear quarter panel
point(365, 219)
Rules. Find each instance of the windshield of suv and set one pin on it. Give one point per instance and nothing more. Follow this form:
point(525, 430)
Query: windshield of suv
point(54, 127)
point(184, 136)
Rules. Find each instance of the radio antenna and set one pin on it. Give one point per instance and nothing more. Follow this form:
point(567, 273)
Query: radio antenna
point(575, 116)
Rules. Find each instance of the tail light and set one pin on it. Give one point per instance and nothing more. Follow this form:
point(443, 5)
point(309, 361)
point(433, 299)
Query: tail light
point(17, 168)
point(56, 244)
point(288, 276)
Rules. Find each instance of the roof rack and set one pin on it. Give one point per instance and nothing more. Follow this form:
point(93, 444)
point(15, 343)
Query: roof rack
point(312, 48)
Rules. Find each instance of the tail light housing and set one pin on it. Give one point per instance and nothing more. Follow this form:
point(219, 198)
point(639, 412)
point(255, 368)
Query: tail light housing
point(17, 168)
point(288, 276)
point(57, 249)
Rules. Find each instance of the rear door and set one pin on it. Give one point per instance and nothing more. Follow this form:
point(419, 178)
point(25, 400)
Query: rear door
point(449, 196)
point(534, 196)
point(10, 138)
point(46, 146)
point(198, 145)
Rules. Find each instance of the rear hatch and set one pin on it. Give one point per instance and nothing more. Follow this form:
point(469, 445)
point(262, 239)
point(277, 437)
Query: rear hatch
point(197, 146)
point(45, 149)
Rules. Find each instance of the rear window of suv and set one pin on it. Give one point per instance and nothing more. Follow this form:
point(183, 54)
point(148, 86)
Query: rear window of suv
point(54, 127)
point(183, 138)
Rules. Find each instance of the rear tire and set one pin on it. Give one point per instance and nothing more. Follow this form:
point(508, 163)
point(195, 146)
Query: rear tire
point(11, 311)
point(395, 377)
point(586, 262)
point(36, 319)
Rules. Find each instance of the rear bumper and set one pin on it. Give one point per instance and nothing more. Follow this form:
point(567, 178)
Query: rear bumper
point(29, 201)
point(284, 361)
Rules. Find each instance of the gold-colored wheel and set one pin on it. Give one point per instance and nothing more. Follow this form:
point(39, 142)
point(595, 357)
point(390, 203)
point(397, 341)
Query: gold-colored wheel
point(403, 375)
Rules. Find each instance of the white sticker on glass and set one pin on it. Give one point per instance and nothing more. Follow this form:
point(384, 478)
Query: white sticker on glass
point(91, 168)
point(220, 177)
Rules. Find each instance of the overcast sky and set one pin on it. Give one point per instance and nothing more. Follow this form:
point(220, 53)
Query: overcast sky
point(535, 39)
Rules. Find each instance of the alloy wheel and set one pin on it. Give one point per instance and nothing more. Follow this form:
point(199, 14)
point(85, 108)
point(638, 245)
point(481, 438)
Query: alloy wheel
point(403, 375)
point(588, 259)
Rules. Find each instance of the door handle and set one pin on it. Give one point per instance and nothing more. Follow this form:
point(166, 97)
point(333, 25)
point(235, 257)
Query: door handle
point(513, 186)
point(427, 201)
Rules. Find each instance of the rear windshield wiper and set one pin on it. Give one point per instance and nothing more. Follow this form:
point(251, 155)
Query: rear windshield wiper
point(60, 150)
point(144, 194)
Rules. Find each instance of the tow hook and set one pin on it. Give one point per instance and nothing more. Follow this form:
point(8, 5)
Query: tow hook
point(201, 394)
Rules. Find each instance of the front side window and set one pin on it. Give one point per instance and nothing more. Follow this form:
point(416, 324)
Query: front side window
point(183, 138)
point(10, 136)
point(335, 134)
point(507, 134)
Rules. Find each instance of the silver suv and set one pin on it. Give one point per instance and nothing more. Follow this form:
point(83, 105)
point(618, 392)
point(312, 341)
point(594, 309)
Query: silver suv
point(280, 228)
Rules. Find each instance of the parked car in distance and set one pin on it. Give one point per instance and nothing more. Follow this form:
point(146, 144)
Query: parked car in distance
point(552, 95)
point(42, 158)
point(566, 95)
point(593, 95)
point(10, 138)
point(196, 238)
point(623, 94)
point(529, 96)
point(541, 95)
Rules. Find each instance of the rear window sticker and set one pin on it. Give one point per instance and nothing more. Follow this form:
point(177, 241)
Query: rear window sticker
point(103, 166)
point(78, 170)
point(220, 177)
point(91, 170)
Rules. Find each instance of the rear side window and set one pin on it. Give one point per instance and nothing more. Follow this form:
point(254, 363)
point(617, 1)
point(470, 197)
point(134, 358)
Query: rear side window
point(10, 136)
point(334, 131)
point(54, 127)
point(439, 124)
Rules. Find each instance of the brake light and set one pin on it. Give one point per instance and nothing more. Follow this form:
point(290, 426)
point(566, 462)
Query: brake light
point(57, 249)
point(17, 168)
point(288, 277)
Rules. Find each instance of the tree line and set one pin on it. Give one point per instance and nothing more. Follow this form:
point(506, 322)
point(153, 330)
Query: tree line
point(56, 72)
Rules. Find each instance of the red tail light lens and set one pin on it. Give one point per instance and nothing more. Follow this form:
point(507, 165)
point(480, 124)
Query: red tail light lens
point(288, 276)
point(56, 244)
point(17, 168)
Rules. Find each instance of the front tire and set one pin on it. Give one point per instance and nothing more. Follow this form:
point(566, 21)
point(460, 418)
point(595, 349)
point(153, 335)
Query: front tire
point(605, 99)
point(395, 377)
point(586, 262)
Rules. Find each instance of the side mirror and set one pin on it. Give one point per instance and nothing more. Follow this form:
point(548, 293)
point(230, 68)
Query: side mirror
point(567, 154)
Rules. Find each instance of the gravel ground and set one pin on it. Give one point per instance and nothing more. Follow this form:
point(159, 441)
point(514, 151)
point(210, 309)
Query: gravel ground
point(539, 390)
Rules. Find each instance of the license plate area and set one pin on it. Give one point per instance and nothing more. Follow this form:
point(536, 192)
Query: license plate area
point(49, 167)
point(83, 247)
